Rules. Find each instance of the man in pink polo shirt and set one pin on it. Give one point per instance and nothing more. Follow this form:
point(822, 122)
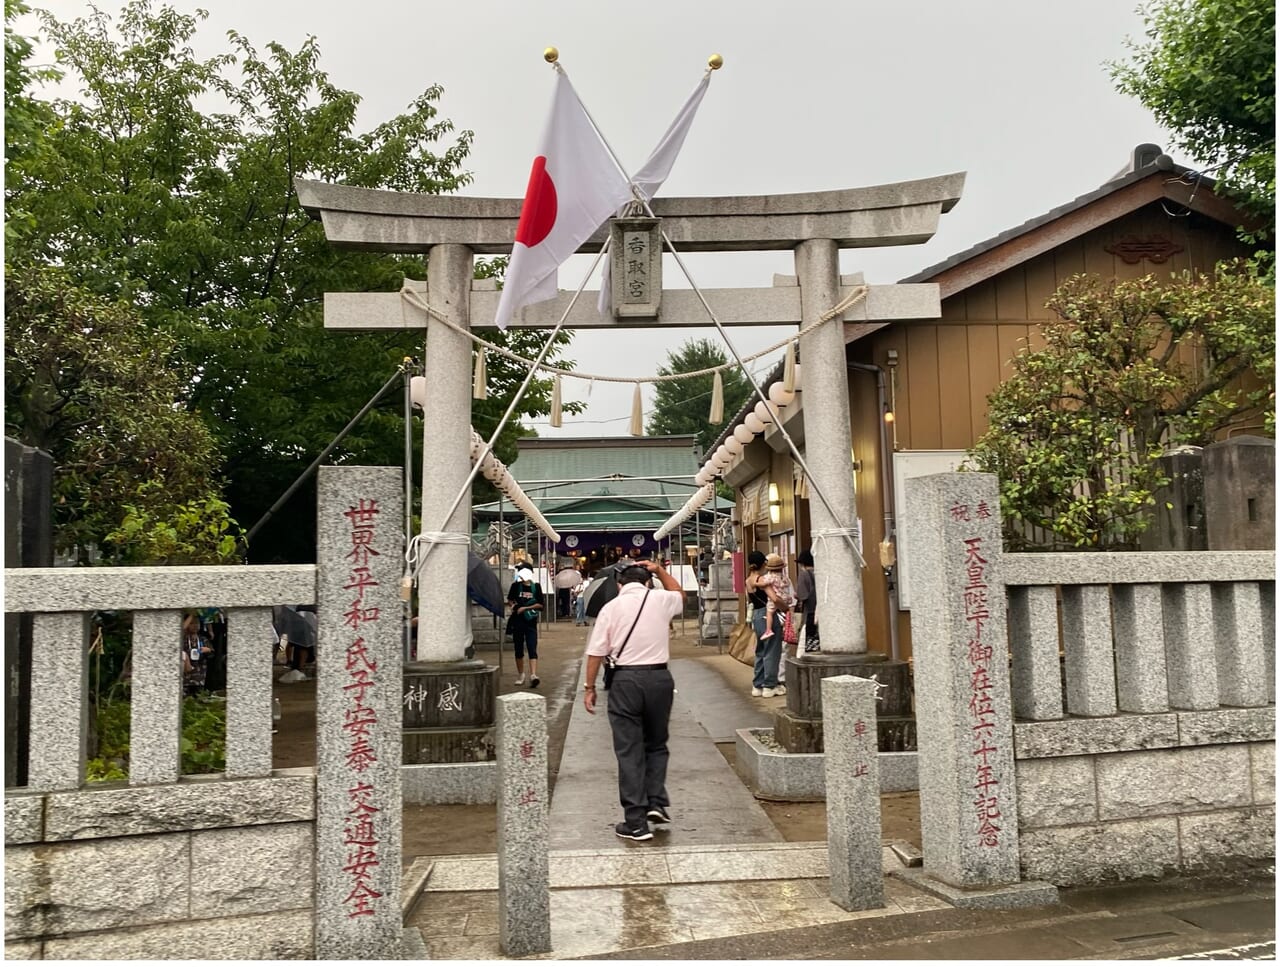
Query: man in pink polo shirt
point(633, 627)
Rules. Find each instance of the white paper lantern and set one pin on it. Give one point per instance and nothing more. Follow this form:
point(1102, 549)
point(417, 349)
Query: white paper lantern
point(733, 445)
point(703, 476)
point(762, 412)
point(753, 423)
point(779, 395)
point(418, 391)
point(742, 434)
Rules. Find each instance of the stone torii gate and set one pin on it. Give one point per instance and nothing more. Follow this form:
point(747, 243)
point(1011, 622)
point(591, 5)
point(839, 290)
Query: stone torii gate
point(452, 229)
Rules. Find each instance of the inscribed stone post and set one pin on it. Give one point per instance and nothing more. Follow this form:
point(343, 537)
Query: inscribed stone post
point(524, 882)
point(358, 745)
point(968, 802)
point(852, 770)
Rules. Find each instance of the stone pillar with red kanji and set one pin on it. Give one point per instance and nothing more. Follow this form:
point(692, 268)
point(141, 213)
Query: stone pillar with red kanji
point(524, 882)
point(851, 767)
point(959, 640)
point(360, 550)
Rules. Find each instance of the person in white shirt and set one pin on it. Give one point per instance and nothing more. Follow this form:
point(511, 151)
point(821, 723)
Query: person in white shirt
point(634, 629)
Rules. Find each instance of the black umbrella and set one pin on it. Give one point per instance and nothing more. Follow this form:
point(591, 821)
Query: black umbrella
point(604, 586)
point(602, 589)
point(482, 584)
point(300, 626)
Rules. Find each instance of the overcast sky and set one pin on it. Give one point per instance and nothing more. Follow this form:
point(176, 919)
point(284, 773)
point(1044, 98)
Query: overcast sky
point(812, 96)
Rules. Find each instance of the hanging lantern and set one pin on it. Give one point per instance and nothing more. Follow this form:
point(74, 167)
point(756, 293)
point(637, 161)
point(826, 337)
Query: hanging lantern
point(733, 445)
point(779, 395)
point(742, 434)
point(480, 380)
point(762, 412)
point(418, 392)
point(717, 400)
point(753, 423)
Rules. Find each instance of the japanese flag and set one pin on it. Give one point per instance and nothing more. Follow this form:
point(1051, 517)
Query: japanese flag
point(573, 187)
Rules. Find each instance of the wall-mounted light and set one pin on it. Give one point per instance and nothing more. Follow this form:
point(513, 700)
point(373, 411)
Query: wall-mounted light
point(775, 504)
point(888, 414)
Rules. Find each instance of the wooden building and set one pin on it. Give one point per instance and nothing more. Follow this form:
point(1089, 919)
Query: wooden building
point(934, 376)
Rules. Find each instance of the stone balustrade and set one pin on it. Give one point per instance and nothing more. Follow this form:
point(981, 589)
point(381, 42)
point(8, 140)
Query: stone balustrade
point(1140, 632)
point(62, 600)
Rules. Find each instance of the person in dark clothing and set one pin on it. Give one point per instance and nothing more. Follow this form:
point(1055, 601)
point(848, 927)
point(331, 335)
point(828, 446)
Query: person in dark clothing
point(525, 598)
point(807, 599)
point(764, 680)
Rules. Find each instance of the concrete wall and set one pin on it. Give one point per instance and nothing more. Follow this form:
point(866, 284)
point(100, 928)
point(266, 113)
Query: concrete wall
point(208, 868)
point(1145, 795)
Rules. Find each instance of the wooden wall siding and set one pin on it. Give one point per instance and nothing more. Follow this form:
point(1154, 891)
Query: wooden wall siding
point(956, 383)
point(921, 387)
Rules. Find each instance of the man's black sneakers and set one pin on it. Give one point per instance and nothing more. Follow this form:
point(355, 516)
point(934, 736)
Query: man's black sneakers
point(626, 832)
point(658, 814)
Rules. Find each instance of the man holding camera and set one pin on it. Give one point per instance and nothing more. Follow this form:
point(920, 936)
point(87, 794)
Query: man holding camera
point(633, 629)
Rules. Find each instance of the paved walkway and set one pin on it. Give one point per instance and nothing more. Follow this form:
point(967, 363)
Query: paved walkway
point(722, 885)
point(709, 803)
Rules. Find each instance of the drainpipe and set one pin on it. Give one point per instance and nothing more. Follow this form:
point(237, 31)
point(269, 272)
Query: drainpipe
point(886, 490)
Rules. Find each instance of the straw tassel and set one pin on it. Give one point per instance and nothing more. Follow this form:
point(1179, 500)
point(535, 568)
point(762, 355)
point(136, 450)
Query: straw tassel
point(637, 414)
point(789, 369)
point(480, 381)
point(717, 400)
point(555, 401)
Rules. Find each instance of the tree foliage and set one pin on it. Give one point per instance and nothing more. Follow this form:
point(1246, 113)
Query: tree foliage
point(1207, 71)
point(169, 183)
point(681, 406)
point(86, 381)
point(1129, 370)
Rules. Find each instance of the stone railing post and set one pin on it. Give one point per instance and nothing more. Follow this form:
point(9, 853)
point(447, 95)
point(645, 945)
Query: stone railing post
point(968, 798)
point(524, 883)
point(249, 692)
point(851, 765)
point(155, 729)
point(358, 698)
point(59, 700)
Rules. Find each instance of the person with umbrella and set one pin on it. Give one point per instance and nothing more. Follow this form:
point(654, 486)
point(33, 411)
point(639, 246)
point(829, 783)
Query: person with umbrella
point(566, 579)
point(525, 598)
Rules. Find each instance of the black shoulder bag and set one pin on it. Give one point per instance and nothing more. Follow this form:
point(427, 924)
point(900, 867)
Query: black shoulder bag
point(611, 661)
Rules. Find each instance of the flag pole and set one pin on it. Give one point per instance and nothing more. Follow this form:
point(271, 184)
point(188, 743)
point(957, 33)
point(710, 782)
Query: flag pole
point(715, 62)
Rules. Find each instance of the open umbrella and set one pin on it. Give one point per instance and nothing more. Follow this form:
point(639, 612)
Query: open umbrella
point(300, 626)
point(570, 577)
point(602, 589)
point(604, 586)
point(482, 584)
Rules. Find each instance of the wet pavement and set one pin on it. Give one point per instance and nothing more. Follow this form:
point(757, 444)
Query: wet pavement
point(721, 884)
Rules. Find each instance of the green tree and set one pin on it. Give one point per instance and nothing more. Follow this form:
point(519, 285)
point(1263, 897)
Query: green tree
point(25, 118)
point(169, 183)
point(1207, 71)
point(681, 406)
point(86, 381)
point(1129, 370)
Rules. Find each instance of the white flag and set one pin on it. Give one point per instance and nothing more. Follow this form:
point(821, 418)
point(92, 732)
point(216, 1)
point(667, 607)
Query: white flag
point(573, 187)
point(655, 171)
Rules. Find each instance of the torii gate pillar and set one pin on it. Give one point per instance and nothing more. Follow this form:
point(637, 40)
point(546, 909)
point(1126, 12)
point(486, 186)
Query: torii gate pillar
point(449, 700)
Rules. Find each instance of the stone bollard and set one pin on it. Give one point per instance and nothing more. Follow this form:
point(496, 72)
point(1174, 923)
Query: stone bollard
point(851, 764)
point(524, 880)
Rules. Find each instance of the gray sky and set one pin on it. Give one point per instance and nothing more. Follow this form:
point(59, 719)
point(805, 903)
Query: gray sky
point(813, 96)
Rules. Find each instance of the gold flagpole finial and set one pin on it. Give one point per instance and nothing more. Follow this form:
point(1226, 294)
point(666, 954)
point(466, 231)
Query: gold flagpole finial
point(551, 55)
point(715, 62)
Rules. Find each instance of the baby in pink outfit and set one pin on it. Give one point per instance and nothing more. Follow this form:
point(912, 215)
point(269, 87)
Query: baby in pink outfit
point(777, 586)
